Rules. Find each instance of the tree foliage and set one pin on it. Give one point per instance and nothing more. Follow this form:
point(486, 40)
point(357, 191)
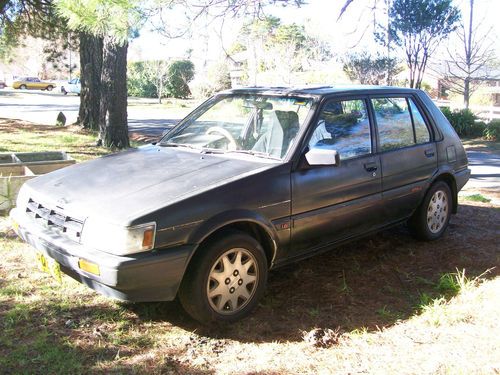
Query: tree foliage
point(35, 18)
point(180, 73)
point(369, 70)
point(271, 45)
point(160, 78)
point(419, 26)
point(139, 82)
point(102, 18)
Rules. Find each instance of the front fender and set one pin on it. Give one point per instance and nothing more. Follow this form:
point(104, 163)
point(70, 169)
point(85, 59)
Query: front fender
point(230, 217)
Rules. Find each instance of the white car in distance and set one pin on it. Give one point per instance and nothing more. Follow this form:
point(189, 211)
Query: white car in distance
point(73, 86)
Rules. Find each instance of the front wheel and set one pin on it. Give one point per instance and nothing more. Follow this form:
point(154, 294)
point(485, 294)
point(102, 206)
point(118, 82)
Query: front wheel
point(226, 279)
point(22, 87)
point(49, 88)
point(431, 219)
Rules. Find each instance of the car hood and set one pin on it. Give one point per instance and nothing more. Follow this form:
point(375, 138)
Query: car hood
point(125, 186)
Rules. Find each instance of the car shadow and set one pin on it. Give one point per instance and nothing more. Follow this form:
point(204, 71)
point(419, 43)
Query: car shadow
point(365, 285)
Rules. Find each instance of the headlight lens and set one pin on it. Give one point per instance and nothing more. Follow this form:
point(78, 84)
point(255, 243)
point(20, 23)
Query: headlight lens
point(118, 240)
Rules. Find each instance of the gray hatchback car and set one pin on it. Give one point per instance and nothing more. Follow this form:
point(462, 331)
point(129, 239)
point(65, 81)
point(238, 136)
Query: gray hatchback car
point(252, 179)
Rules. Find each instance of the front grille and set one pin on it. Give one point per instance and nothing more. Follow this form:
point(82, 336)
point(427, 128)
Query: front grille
point(55, 220)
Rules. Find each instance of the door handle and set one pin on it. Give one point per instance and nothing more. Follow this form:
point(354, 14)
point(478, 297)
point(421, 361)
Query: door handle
point(371, 167)
point(429, 153)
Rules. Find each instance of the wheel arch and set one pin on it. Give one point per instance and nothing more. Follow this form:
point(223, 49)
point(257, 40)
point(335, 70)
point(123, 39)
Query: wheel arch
point(244, 221)
point(449, 179)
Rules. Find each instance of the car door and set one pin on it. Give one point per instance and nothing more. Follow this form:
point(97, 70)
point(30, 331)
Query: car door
point(36, 83)
point(407, 154)
point(332, 203)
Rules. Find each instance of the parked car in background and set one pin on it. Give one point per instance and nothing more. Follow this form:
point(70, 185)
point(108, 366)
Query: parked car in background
point(252, 179)
point(33, 83)
point(2, 85)
point(72, 86)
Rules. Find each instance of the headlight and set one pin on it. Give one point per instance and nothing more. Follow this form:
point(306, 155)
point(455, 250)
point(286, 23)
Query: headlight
point(118, 240)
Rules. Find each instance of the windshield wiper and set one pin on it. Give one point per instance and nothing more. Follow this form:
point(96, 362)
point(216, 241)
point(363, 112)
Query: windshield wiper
point(259, 154)
point(178, 145)
point(212, 151)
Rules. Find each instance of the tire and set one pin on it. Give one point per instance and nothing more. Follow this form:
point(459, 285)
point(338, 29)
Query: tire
point(238, 261)
point(49, 88)
point(432, 217)
point(22, 87)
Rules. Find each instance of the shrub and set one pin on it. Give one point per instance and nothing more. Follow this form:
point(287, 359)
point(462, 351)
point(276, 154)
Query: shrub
point(149, 79)
point(477, 129)
point(492, 131)
point(180, 73)
point(218, 79)
point(139, 82)
point(464, 122)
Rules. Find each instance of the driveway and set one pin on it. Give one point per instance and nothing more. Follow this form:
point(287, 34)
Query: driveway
point(485, 175)
point(144, 116)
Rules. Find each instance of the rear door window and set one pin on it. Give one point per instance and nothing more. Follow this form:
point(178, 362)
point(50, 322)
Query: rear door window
point(421, 131)
point(399, 122)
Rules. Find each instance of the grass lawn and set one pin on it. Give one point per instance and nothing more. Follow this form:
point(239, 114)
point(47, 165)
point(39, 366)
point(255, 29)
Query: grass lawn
point(386, 304)
point(19, 136)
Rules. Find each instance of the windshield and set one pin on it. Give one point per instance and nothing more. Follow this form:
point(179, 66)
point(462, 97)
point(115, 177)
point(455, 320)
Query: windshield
point(264, 126)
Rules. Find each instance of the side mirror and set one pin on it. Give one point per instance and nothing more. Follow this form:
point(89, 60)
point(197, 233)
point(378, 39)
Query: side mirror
point(320, 156)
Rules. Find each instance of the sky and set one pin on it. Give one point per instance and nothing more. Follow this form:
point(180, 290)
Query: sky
point(319, 16)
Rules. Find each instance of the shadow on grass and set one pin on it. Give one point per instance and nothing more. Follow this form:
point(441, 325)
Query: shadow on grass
point(365, 285)
point(42, 338)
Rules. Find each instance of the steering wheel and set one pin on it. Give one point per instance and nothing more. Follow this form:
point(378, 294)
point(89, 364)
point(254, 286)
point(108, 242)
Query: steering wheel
point(232, 142)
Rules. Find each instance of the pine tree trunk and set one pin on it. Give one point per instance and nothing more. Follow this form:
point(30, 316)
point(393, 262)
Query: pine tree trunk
point(90, 78)
point(113, 127)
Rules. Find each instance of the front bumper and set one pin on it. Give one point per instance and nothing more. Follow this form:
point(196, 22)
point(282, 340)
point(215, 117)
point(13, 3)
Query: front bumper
point(151, 276)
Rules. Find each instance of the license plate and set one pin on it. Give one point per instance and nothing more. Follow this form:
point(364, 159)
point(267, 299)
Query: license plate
point(49, 266)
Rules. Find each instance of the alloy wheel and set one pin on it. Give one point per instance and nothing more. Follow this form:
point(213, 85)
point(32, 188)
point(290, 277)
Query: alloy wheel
point(437, 211)
point(232, 281)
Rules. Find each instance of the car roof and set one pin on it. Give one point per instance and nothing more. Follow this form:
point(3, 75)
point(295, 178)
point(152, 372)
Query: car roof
point(319, 91)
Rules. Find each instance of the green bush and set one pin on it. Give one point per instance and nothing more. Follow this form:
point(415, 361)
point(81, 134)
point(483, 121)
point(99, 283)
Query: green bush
point(477, 129)
point(146, 79)
point(492, 131)
point(180, 73)
point(464, 122)
point(139, 81)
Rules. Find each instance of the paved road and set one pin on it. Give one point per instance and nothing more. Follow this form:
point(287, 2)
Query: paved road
point(43, 107)
point(485, 174)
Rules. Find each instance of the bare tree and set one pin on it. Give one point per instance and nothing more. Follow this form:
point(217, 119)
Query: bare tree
point(469, 63)
point(419, 27)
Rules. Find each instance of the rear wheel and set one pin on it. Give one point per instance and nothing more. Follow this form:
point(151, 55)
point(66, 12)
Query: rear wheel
point(431, 219)
point(226, 280)
point(22, 87)
point(49, 88)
